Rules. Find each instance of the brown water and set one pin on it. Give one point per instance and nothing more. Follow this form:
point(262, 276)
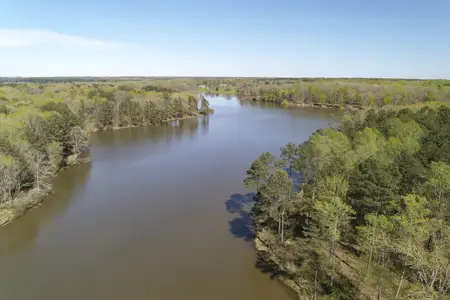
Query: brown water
point(158, 214)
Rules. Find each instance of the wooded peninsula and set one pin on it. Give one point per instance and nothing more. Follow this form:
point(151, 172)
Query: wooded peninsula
point(361, 211)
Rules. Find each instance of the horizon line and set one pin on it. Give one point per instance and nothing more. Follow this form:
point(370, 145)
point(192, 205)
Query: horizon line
point(232, 77)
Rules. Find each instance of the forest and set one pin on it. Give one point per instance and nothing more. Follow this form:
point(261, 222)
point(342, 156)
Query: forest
point(360, 211)
point(323, 92)
point(330, 92)
point(45, 127)
point(356, 212)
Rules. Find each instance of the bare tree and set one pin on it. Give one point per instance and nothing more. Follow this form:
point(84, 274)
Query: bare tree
point(79, 141)
point(9, 171)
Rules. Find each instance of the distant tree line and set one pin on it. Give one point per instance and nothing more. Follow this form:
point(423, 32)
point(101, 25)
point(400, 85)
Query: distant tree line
point(335, 92)
point(339, 94)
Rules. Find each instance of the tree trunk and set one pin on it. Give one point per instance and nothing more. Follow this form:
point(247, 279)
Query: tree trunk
point(282, 227)
point(269, 238)
point(400, 283)
point(37, 177)
point(279, 226)
point(315, 286)
point(380, 286)
point(332, 268)
point(380, 273)
point(369, 262)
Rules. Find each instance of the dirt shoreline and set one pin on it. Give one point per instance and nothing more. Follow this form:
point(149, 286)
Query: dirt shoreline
point(263, 250)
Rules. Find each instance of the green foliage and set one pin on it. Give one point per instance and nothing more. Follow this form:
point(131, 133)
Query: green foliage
point(267, 159)
point(193, 104)
point(390, 169)
point(336, 92)
point(289, 154)
point(368, 143)
point(375, 236)
point(204, 107)
point(45, 127)
point(437, 189)
point(327, 150)
point(256, 174)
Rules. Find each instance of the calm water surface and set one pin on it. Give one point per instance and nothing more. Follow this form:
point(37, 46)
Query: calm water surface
point(158, 214)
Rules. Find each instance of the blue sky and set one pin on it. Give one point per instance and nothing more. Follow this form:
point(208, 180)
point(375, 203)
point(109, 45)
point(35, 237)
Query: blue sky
point(287, 38)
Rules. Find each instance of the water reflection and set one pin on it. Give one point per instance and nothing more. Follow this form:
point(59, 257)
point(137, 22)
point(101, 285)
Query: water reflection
point(169, 132)
point(331, 114)
point(205, 125)
point(22, 232)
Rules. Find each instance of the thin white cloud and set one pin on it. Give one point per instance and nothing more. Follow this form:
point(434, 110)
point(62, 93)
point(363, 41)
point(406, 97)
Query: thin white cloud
point(28, 38)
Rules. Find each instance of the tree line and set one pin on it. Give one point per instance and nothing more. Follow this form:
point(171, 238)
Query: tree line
point(46, 127)
point(333, 91)
point(339, 94)
point(361, 210)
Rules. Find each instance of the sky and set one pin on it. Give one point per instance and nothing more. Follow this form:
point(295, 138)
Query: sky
point(277, 38)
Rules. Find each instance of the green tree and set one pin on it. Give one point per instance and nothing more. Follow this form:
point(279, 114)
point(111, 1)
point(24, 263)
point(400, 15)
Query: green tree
point(375, 239)
point(409, 227)
point(204, 108)
point(357, 98)
point(268, 159)
point(368, 143)
point(373, 186)
point(289, 154)
point(193, 105)
point(178, 107)
point(274, 193)
point(331, 186)
point(168, 106)
point(437, 189)
point(332, 216)
point(322, 98)
point(105, 115)
point(327, 151)
point(431, 260)
point(371, 99)
point(256, 174)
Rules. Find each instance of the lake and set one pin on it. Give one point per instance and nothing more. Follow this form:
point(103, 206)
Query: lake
point(159, 213)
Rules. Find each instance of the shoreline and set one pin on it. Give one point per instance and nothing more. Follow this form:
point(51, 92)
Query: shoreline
point(266, 255)
point(305, 104)
point(32, 198)
point(350, 107)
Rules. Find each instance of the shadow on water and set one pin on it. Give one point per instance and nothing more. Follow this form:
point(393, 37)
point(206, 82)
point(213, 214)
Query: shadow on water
point(240, 226)
point(21, 233)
